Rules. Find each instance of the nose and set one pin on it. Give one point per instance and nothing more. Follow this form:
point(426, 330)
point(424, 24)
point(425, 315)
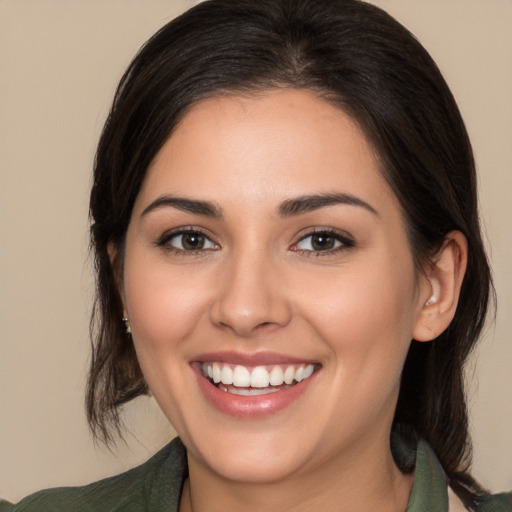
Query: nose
point(251, 296)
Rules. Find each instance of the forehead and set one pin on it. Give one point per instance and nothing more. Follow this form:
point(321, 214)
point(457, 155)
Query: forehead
point(276, 144)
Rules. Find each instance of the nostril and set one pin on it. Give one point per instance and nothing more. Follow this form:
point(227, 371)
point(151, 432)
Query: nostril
point(247, 308)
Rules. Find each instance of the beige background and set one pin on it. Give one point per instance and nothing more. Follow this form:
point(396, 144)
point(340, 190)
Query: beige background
point(59, 63)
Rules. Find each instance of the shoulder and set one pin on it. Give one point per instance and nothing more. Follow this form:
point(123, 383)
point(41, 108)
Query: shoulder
point(501, 502)
point(487, 503)
point(430, 490)
point(436, 484)
point(151, 486)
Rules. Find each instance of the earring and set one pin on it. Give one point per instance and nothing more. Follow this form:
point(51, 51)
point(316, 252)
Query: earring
point(128, 328)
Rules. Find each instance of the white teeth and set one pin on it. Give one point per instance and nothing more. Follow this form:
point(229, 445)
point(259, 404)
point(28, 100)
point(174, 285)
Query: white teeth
point(241, 377)
point(226, 375)
point(308, 371)
point(276, 377)
point(216, 373)
point(257, 378)
point(289, 375)
point(249, 391)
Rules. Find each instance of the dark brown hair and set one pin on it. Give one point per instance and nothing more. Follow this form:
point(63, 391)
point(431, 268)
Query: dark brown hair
point(357, 57)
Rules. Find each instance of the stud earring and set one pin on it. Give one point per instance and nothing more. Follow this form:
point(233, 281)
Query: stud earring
point(128, 328)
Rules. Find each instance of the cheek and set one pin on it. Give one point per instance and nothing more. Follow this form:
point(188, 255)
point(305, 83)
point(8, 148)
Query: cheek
point(163, 306)
point(366, 321)
point(366, 317)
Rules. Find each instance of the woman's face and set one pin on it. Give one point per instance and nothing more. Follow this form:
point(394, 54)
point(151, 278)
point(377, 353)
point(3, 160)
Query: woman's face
point(264, 248)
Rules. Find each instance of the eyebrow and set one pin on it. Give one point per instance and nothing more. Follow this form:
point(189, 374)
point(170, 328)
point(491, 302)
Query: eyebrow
point(289, 208)
point(206, 208)
point(309, 203)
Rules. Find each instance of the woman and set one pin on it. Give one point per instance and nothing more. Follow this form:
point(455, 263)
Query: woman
point(284, 197)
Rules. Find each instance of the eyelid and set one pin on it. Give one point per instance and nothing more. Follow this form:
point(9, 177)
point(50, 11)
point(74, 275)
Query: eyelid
point(164, 239)
point(345, 240)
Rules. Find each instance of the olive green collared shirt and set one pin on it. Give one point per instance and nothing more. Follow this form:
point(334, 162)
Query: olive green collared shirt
point(156, 486)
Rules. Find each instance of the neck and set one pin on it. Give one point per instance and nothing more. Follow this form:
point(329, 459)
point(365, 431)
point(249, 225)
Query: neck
point(365, 480)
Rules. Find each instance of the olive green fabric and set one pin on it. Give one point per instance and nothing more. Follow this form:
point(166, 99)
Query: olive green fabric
point(156, 485)
point(429, 490)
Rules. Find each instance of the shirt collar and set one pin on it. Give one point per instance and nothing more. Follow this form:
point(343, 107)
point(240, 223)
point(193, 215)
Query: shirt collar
point(429, 491)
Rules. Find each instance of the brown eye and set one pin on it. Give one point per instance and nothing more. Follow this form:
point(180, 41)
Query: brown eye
point(192, 241)
point(323, 241)
point(187, 241)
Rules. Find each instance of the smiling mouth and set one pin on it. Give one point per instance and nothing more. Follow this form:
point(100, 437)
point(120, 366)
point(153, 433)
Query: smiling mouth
point(258, 380)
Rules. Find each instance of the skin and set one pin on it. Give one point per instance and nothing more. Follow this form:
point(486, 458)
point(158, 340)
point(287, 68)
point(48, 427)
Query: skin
point(259, 284)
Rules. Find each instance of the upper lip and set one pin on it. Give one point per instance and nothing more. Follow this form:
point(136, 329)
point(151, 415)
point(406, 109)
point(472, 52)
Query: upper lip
point(250, 359)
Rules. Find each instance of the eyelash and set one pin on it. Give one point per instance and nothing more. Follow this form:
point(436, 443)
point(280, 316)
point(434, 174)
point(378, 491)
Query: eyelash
point(164, 242)
point(342, 239)
point(345, 242)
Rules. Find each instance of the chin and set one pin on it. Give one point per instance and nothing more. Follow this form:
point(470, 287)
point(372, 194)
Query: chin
point(259, 457)
point(256, 466)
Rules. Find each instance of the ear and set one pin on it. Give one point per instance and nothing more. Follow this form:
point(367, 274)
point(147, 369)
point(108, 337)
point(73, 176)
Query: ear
point(440, 289)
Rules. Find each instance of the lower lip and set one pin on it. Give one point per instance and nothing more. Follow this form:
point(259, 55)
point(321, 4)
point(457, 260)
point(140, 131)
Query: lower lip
point(251, 406)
